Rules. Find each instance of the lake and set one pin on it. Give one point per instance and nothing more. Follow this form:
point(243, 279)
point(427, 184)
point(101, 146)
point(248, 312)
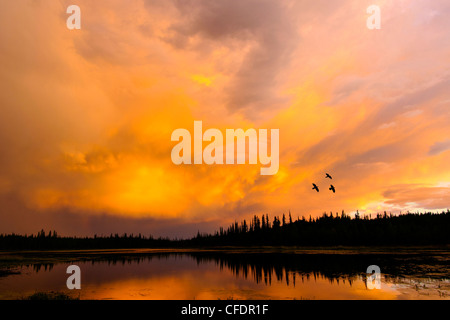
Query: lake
point(230, 273)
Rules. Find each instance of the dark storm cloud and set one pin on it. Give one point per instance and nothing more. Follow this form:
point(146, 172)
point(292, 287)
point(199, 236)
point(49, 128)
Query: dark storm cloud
point(264, 24)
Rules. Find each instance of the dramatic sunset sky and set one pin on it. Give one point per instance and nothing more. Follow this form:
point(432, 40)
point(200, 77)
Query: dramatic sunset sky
point(86, 116)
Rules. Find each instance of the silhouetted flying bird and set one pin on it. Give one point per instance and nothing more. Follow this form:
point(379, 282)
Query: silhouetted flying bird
point(315, 187)
point(332, 188)
point(328, 176)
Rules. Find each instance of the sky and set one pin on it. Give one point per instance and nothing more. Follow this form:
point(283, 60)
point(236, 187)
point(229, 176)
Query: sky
point(87, 115)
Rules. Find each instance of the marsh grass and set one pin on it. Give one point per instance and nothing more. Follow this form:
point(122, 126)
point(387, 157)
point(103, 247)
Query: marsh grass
point(52, 295)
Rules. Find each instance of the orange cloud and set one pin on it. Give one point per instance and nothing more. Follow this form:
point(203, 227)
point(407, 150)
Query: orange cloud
point(87, 115)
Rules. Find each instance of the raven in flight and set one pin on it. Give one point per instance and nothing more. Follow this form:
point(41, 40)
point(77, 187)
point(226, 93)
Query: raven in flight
point(315, 187)
point(328, 176)
point(332, 188)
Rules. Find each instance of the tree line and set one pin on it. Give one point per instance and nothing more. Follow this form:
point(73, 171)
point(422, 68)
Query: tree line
point(335, 229)
point(52, 241)
point(328, 230)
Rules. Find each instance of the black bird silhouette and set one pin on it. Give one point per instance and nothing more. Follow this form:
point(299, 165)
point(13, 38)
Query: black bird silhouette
point(315, 187)
point(332, 188)
point(328, 176)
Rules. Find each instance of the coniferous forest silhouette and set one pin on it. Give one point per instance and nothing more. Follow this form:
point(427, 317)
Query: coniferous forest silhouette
point(412, 229)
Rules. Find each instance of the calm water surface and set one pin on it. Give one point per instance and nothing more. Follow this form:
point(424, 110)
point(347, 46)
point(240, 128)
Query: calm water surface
point(267, 273)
